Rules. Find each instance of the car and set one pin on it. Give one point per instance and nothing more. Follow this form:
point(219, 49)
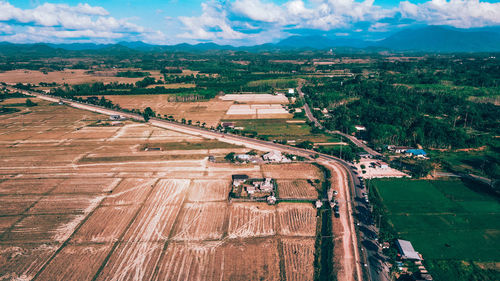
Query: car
point(335, 192)
point(337, 214)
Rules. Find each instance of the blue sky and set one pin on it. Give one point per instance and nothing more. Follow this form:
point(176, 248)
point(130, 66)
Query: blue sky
point(236, 22)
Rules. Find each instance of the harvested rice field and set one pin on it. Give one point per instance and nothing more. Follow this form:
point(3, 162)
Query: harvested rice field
point(83, 202)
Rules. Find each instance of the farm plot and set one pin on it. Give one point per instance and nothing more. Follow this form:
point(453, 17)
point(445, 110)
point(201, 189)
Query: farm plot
point(130, 191)
point(209, 190)
point(23, 261)
point(200, 221)
point(132, 261)
point(292, 171)
point(296, 189)
point(255, 98)
point(297, 219)
point(28, 186)
point(298, 256)
point(83, 185)
point(209, 112)
point(154, 221)
point(76, 262)
point(251, 220)
point(63, 203)
point(16, 204)
point(256, 259)
point(106, 224)
point(192, 261)
point(257, 111)
point(43, 228)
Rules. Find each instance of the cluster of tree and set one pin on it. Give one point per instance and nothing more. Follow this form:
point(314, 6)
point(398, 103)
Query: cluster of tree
point(405, 116)
point(132, 74)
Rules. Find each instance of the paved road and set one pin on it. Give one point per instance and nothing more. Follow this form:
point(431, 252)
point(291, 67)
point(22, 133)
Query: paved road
point(306, 107)
point(368, 255)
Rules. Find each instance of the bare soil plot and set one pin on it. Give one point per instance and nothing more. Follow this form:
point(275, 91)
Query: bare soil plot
point(76, 262)
point(210, 112)
point(200, 221)
point(105, 224)
point(132, 261)
point(255, 98)
point(130, 191)
point(298, 256)
point(296, 189)
point(68, 76)
point(209, 190)
point(84, 185)
point(23, 261)
point(16, 204)
point(255, 259)
point(154, 221)
point(192, 261)
point(297, 219)
point(251, 220)
point(63, 203)
point(43, 228)
point(7, 222)
point(292, 171)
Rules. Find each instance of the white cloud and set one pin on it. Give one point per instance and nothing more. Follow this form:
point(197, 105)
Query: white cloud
point(212, 24)
point(457, 13)
point(258, 11)
point(80, 17)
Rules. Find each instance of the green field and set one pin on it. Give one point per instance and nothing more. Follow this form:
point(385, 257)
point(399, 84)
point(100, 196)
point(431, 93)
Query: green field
point(444, 220)
point(280, 129)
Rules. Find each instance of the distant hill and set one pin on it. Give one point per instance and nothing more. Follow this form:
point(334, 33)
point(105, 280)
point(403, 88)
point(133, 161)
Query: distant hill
point(426, 39)
point(443, 39)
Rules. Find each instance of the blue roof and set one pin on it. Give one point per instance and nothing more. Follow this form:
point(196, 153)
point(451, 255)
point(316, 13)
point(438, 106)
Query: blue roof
point(416, 151)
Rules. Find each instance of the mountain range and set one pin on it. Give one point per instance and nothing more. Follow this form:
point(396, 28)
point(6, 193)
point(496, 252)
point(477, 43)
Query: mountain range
point(439, 39)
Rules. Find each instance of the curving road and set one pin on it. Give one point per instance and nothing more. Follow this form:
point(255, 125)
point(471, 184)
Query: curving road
point(368, 256)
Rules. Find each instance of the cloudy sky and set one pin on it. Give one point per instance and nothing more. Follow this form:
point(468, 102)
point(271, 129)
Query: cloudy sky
point(236, 22)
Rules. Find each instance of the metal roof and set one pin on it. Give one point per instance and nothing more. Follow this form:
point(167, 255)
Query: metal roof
point(407, 250)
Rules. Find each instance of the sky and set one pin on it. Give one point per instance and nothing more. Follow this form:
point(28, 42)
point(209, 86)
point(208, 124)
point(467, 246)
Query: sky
point(235, 22)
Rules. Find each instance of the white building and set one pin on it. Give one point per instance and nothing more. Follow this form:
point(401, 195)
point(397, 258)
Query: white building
point(291, 91)
point(275, 156)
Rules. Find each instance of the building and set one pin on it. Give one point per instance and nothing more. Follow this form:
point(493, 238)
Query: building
point(360, 128)
point(406, 250)
point(275, 156)
point(239, 179)
point(398, 149)
point(228, 125)
point(319, 204)
point(416, 153)
point(291, 91)
point(242, 157)
point(115, 117)
point(271, 200)
point(267, 185)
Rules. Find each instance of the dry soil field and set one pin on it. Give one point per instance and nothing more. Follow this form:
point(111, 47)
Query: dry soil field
point(80, 202)
point(68, 76)
point(210, 112)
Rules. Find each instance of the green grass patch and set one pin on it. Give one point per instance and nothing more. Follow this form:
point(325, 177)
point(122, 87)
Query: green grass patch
point(275, 83)
point(280, 129)
point(449, 220)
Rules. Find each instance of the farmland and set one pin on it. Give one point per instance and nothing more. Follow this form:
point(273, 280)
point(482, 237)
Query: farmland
point(446, 220)
point(80, 201)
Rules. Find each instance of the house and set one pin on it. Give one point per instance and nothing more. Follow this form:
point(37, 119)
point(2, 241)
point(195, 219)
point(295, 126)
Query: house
point(242, 157)
point(239, 179)
point(271, 200)
point(115, 117)
point(275, 156)
point(291, 91)
point(211, 158)
point(416, 153)
point(398, 149)
point(318, 204)
point(406, 250)
point(228, 125)
point(267, 185)
point(360, 128)
point(251, 189)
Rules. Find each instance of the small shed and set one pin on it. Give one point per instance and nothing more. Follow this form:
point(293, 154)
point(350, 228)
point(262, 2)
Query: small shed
point(416, 152)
